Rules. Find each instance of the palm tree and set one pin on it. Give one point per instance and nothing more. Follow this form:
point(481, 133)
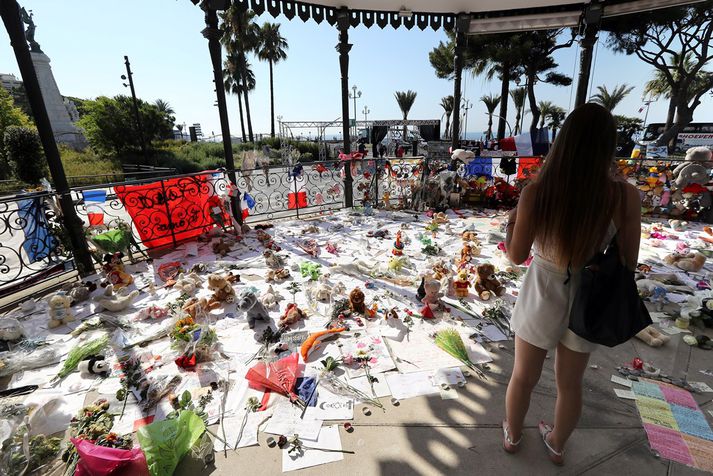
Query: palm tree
point(271, 48)
point(610, 100)
point(555, 118)
point(447, 105)
point(164, 107)
point(546, 108)
point(518, 97)
point(233, 73)
point(491, 103)
point(241, 37)
point(405, 100)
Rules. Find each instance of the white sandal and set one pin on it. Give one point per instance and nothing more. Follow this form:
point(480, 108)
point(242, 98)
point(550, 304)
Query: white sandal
point(508, 445)
point(557, 457)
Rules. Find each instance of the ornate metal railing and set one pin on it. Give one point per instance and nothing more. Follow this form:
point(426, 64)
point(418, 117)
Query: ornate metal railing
point(30, 241)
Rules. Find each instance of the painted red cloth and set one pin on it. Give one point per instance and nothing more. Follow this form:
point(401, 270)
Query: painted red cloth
point(528, 166)
point(179, 207)
point(297, 200)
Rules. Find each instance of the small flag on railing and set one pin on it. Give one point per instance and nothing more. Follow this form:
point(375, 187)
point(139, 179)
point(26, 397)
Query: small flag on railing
point(94, 202)
point(247, 204)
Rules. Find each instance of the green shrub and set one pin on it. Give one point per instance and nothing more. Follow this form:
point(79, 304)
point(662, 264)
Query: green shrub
point(24, 154)
point(87, 162)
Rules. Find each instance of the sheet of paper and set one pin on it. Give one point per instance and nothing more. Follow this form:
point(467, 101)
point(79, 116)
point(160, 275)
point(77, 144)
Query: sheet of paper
point(410, 385)
point(621, 381)
point(701, 387)
point(625, 394)
point(233, 425)
point(287, 420)
point(370, 346)
point(674, 330)
point(331, 407)
point(328, 439)
point(452, 376)
point(381, 388)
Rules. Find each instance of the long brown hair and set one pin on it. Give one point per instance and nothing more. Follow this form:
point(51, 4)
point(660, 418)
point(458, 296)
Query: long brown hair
point(574, 197)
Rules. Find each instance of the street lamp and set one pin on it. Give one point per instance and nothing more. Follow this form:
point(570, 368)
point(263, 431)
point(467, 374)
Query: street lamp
point(139, 129)
point(506, 122)
point(466, 105)
point(365, 111)
point(355, 95)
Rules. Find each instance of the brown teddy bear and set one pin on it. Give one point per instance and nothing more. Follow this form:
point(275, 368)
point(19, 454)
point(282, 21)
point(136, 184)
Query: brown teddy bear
point(356, 301)
point(222, 290)
point(692, 262)
point(221, 248)
point(292, 315)
point(486, 284)
point(469, 236)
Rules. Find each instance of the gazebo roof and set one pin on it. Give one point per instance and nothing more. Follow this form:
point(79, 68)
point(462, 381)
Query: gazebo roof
point(484, 16)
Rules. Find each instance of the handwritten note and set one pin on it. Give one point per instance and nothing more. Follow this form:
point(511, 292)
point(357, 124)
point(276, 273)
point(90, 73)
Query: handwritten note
point(287, 420)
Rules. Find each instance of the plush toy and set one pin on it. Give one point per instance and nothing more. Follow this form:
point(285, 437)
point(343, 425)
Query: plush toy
point(398, 249)
point(249, 303)
point(278, 274)
point(113, 267)
point(273, 260)
point(310, 247)
point(152, 312)
point(270, 298)
point(221, 248)
point(11, 330)
point(440, 218)
point(652, 336)
point(463, 155)
point(322, 292)
point(461, 284)
point(486, 284)
point(116, 302)
point(292, 315)
point(692, 262)
point(198, 308)
point(222, 290)
point(79, 291)
point(678, 225)
point(694, 169)
point(468, 235)
point(311, 270)
point(468, 252)
point(188, 283)
point(94, 365)
point(59, 310)
point(356, 301)
point(432, 298)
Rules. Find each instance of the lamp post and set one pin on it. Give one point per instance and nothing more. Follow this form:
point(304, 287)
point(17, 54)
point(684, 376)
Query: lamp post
point(355, 95)
point(137, 117)
point(466, 106)
point(506, 122)
point(365, 111)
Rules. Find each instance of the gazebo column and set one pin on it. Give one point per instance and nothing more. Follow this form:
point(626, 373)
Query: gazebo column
point(589, 24)
point(213, 34)
point(462, 26)
point(343, 47)
point(10, 11)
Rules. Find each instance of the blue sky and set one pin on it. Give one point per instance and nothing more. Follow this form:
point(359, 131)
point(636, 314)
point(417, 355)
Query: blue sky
point(87, 39)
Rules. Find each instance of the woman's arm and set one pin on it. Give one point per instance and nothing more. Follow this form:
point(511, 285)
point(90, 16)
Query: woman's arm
point(630, 228)
point(518, 240)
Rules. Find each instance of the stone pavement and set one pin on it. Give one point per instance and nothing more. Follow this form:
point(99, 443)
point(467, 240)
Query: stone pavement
point(429, 436)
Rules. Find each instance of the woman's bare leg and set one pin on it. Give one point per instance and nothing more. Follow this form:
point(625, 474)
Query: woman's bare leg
point(569, 371)
point(525, 375)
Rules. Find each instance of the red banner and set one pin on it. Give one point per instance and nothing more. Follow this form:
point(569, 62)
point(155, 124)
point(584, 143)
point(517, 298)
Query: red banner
point(528, 166)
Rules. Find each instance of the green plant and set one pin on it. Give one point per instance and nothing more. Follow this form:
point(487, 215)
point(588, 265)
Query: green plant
point(10, 115)
point(24, 154)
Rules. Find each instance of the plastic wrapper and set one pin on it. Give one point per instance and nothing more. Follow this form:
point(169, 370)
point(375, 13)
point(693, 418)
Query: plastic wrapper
point(17, 361)
point(166, 442)
point(23, 454)
point(11, 415)
point(97, 460)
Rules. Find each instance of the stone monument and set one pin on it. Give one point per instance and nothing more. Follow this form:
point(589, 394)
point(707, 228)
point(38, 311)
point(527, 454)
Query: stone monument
point(62, 126)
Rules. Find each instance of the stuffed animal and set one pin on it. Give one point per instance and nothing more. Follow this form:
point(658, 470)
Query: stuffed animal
point(692, 262)
point(197, 308)
point(463, 155)
point(270, 298)
point(79, 291)
point(292, 315)
point(113, 267)
point(278, 274)
point(221, 248)
point(222, 290)
point(678, 225)
point(322, 292)
point(398, 249)
point(273, 260)
point(461, 284)
point(694, 169)
point(468, 235)
point(249, 303)
point(116, 302)
point(152, 312)
point(59, 310)
point(486, 284)
point(11, 330)
point(94, 365)
point(356, 301)
point(468, 252)
point(432, 298)
point(188, 283)
point(652, 336)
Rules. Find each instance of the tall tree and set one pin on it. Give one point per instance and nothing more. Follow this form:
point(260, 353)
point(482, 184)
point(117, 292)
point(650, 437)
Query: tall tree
point(491, 103)
point(447, 105)
point(10, 115)
point(240, 37)
point(232, 81)
point(555, 117)
point(654, 36)
point(611, 99)
point(546, 108)
point(405, 100)
point(518, 99)
point(272, 47)
point(165, 108)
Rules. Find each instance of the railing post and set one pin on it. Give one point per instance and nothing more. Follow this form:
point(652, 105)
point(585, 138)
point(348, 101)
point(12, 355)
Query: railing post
point(297, 198)
point(168, 213)
point(377, 169)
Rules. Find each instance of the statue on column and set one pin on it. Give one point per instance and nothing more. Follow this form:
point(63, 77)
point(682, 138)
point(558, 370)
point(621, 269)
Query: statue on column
point(30, 31)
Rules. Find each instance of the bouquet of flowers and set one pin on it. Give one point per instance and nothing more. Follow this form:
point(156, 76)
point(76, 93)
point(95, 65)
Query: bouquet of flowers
point(91, 423)
point(41, 450)
point(339, 387)
point(195, 342)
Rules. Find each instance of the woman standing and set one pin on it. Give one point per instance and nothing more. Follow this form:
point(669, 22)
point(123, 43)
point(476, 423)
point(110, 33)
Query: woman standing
point(570, 212)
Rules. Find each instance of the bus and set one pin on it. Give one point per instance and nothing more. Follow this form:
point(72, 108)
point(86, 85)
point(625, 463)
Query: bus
point(693, 135)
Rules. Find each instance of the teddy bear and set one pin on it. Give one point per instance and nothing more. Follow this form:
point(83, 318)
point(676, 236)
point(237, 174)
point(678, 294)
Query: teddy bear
point(79, 291)
point(322, 292)
point(249, 303)
point(432, 297)
point(273, 260)
point(292, 315)
point(113, 267)
point(678, 225)
point(461, 284)
point(692, 262)
point(59, 310)
point(652, 336)
point(196, 307)
point(222, 290)
point(187, 283)
point(116, 302)
point(467, 253)
point(278, 274)
point(94, 365)
point(356, 301)
point(271, 298)
point(486, 284)
point(694, 169)
point(221, 248)
point(468, 235)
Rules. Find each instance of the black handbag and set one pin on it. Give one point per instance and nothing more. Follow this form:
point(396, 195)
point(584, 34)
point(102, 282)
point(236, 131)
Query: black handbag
point(607, 308)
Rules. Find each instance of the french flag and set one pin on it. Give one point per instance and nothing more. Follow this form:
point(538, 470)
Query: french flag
point(94, 202)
